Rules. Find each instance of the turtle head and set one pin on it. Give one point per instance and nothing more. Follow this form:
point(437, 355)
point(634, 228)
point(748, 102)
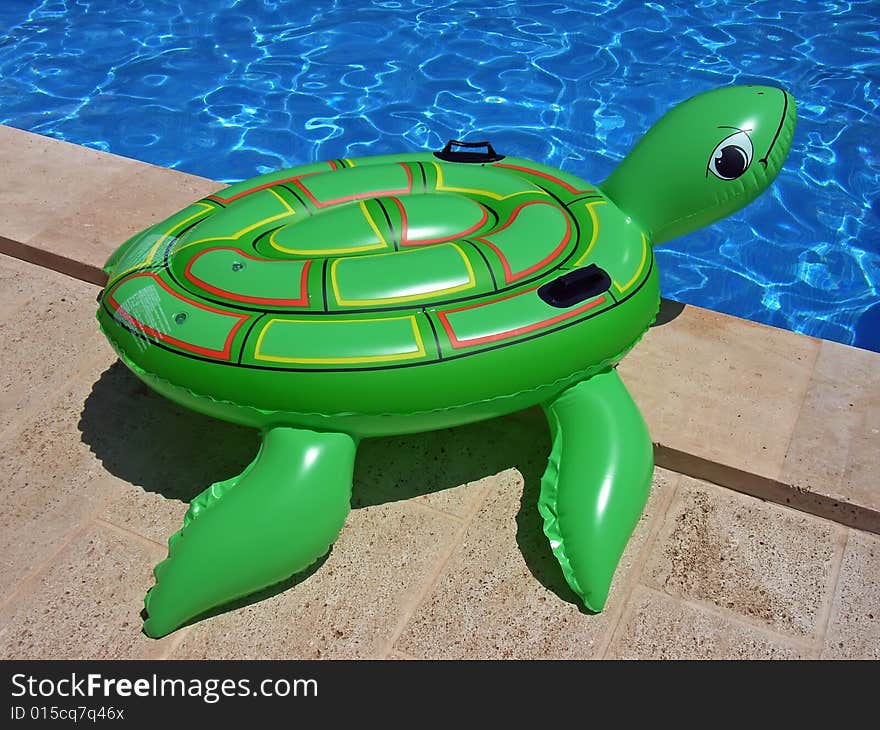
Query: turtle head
point(705, 159)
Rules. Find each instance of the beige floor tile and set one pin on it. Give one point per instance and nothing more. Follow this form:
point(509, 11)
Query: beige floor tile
point(86, 604)
point(46, 179)
point(17, 285)
point(148, 514)
point(349, 605)
point(760, 561)
point(134, 199)
point(657, 626)
point(52, 483)
point(42, 331)
point(51, 351)
point(835, 449)
point(502, 594)
point(854, 629)
point(722, 388)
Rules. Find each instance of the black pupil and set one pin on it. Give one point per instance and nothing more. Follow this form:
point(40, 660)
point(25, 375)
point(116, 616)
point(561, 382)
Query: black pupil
point(732, 162)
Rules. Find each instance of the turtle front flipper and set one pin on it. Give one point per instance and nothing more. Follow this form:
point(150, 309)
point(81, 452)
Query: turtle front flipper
point(272, 521)
point(597, 481)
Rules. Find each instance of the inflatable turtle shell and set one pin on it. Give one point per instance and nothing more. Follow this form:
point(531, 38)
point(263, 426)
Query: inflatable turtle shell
point(398, 285)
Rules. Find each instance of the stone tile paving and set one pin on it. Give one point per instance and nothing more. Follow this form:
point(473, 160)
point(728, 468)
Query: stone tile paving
point(442, 556)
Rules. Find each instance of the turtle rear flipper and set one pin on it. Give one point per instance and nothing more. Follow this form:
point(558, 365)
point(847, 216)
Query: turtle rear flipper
point(272, 521)
point(597, 481)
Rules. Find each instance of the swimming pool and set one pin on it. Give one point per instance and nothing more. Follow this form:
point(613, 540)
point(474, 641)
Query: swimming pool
point(228, 89)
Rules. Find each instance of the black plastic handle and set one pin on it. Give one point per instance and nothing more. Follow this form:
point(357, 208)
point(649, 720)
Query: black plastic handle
point(450, 155)
point(575, 286)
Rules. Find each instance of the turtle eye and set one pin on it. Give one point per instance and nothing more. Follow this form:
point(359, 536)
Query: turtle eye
point(732, 157)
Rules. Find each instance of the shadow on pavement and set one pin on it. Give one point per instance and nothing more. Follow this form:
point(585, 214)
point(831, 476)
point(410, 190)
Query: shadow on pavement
point(150, 442)
point(669, 310)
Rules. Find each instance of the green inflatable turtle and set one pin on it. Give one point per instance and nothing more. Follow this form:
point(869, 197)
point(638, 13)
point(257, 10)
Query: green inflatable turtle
point(388, 295)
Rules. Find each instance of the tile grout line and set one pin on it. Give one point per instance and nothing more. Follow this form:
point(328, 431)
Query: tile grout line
point(812, 639)
point(823, 621)
point(126, 532)
point(792, 510)
point(44, 565)
point(802, 642)
point(181, 633)
point(424, 590)
point(402, 656)
point(437, 511)
point(634, 579)
point(429, 583)
point(626, 613)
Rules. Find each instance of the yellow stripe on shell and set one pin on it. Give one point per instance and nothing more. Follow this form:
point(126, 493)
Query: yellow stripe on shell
point(384, 243)
point(148, 259)
point(639, 270)
point(595, 237)
point(414, 354)
point(339, 249)
point(595, 219)
point(288, 212)
point(469, 284)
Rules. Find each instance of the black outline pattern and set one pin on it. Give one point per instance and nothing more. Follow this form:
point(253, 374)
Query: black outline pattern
point(766, 157)
point(295, 194)
point(393, 233)
point(419, 363)
point(262, 313)
point(434, 332)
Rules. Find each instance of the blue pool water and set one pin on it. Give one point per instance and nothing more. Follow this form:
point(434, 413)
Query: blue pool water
point(232, 88)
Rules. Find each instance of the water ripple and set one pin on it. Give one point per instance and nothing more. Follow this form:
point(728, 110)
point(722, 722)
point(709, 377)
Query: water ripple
point(233, 88)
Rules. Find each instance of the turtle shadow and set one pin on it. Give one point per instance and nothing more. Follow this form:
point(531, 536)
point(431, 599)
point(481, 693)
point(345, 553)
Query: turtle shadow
point(151, 443)
point(669, 310)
